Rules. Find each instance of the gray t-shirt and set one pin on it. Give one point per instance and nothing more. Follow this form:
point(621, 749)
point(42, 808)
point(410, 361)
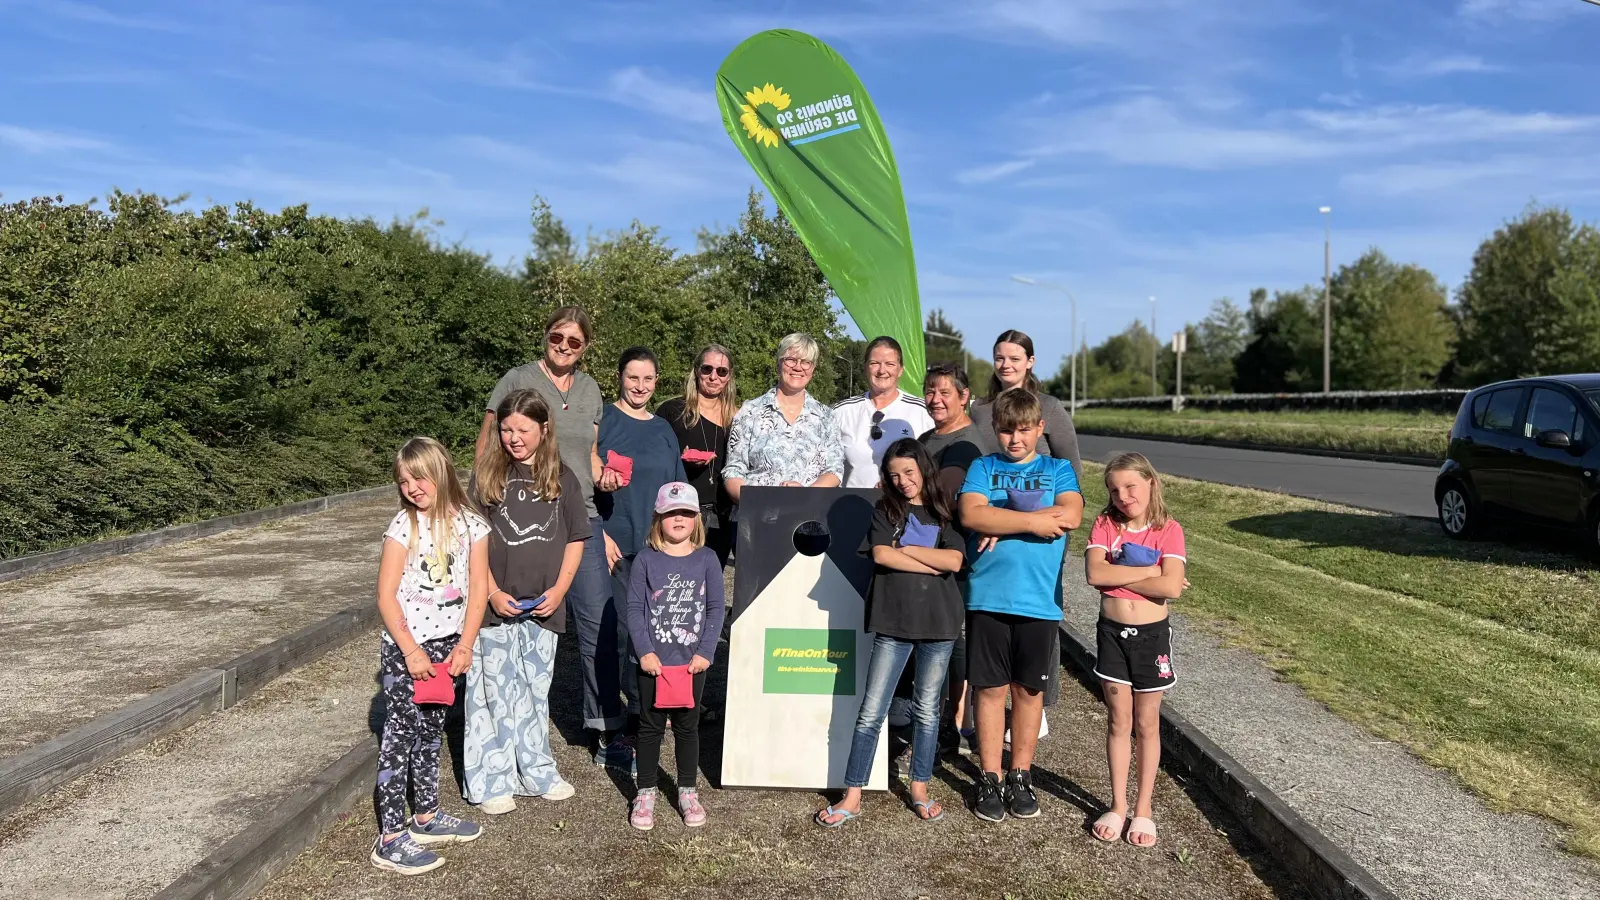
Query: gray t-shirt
point(529, 537)
point(576, 417)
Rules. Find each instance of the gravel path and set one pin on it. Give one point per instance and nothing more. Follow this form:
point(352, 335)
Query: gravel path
point(1413, 827)
point(132, 827)
point(98, 636)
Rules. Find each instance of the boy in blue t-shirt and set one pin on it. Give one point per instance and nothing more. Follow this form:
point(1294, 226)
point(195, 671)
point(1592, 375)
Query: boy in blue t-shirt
point(1029, 503)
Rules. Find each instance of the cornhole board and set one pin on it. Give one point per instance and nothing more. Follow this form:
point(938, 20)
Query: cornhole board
point(798, 654)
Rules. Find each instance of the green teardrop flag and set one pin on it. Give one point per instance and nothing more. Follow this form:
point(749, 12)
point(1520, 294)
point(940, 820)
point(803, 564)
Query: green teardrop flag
point(803, 120)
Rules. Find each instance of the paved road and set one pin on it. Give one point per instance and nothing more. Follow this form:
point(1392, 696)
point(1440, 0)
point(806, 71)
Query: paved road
point(1387, 487)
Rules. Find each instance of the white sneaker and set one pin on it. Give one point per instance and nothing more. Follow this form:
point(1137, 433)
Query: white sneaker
point(899, 712)
point(561, 790)
point(498, 806)
point(1044, 729)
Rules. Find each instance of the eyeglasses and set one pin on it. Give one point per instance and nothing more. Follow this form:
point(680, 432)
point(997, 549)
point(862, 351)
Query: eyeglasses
point(573, 343)
point(719, 371)
point(795, 362)
point(877, 425)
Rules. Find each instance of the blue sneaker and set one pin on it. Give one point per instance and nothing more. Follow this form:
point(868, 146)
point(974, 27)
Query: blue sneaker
point(444, 828)
point(404, 855)
point(618, 755)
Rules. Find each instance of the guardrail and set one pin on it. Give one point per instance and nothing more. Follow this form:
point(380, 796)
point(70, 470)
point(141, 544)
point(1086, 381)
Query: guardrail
point(1440, 400)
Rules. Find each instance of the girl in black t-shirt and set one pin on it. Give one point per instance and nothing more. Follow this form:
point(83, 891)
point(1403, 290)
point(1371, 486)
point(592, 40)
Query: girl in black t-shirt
point(915, 609)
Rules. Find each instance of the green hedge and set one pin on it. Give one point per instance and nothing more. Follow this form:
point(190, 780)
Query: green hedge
point(161, 365)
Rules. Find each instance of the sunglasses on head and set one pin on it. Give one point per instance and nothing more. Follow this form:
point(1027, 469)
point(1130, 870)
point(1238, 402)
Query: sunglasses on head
point(573, 343)
point(877, 425)
point(719, 371)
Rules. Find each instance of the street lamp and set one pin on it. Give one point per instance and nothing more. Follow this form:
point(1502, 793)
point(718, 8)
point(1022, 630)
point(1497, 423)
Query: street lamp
point(1072, 401)
point(1327, 303)
point(966, 358)
point(1155, 384)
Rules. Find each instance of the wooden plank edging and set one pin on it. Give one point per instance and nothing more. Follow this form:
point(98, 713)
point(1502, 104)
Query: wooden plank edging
point(240, 867)
point(39, 563)
point(1307, 854)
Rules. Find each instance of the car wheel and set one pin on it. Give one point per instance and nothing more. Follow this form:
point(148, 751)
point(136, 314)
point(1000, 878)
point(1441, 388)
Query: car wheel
point(1594, 534)
point(1457, 516)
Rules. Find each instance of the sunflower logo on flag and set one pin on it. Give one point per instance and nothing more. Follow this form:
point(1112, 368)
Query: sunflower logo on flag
point(755, 98)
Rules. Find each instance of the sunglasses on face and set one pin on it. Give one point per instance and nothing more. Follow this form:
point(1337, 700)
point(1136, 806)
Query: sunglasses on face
point(877, 425)
point(719, 371)
point(573, 343)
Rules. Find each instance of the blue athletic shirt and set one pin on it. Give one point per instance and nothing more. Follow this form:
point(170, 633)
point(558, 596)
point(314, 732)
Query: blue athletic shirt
point(1021, 576)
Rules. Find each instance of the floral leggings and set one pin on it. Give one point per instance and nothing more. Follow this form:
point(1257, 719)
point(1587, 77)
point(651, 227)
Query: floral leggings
point(412, 735)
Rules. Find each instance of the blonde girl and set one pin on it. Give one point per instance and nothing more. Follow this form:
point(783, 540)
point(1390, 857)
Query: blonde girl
point(675, 612)
point(432, 583)
point(1136, 560)
point(534, 505)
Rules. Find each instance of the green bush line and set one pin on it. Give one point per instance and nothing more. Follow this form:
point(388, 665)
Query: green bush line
point(1425, 437)
point(160, 365)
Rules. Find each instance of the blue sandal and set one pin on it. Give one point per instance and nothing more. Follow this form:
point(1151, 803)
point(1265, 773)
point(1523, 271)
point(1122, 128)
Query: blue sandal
point(820, 817)
point(927, 806)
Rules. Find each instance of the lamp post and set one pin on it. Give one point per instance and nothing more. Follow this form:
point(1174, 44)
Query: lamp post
point(1155, 352)
point(1072, 400)
point(1327, 303)
point(966, 359)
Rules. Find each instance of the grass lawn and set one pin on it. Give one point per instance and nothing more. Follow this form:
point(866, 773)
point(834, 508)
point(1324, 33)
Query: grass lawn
point(1376, 431)
point(1482, 658)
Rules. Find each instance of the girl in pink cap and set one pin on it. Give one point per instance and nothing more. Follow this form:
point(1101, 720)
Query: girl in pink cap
point(675, 612)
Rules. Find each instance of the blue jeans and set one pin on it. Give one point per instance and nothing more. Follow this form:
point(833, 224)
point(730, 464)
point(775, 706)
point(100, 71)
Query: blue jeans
point(889, 656)
point(610, 689)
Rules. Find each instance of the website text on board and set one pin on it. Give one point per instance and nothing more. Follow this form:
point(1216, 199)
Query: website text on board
point(801, 125)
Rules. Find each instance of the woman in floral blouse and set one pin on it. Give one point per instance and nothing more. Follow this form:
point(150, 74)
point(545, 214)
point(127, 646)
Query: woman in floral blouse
point(785, 437)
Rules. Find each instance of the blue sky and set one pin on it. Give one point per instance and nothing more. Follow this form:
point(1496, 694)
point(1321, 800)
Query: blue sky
point(1124, 148)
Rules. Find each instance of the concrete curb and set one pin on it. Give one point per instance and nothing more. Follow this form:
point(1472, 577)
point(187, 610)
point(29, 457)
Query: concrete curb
point(1306, 854)
point(1265, 448)
point(38, 770)
point(37, 563)
point(242, 866)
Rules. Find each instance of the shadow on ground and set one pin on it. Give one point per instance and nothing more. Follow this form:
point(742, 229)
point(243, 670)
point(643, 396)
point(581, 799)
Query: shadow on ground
point(1550, 549)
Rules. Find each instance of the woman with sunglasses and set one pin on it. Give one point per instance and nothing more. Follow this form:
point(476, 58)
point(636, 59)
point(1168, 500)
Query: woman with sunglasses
point(576, 407)
point(870, 422)
point(701, 418)
point(785, 437)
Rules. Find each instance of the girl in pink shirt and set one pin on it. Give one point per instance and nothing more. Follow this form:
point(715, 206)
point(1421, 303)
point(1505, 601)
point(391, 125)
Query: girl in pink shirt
point(1136, 560)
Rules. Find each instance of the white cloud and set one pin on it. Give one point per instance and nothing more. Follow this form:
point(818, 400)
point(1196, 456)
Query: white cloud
point(1413, 125)
point(94, 15)
point(1490, 11)
point(1425, 66)
point(635, 87)
point(985, 174)
point(35, 141)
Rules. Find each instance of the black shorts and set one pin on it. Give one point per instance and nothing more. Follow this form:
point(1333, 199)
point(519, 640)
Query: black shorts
point(1004, 649)
point(1135, 655)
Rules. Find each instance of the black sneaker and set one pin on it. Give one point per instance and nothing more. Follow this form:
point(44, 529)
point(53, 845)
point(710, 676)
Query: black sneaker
point(1020, 801)
point(989, 805)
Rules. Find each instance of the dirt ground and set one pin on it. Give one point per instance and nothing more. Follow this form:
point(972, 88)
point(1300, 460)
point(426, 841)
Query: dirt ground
point(763, 843)
point(98, 636)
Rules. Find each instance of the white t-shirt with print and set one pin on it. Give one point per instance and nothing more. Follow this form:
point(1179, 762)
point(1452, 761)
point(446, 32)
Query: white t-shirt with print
point(433, 588)
point(905, 417)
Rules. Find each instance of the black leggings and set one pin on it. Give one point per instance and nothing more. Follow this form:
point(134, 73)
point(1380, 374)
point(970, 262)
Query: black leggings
point(653, 726)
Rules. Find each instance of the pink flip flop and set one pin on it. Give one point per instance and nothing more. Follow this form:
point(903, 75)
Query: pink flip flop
point(1111, 820)
point(1141, 825)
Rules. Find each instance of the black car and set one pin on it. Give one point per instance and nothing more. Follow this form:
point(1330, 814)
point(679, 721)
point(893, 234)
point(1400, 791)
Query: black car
point(1525, 450)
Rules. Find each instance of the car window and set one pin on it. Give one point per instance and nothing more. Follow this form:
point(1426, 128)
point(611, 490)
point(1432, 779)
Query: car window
point(1480, 404)
point(1594, 399)
point(1550, 410)
point(1501, 413)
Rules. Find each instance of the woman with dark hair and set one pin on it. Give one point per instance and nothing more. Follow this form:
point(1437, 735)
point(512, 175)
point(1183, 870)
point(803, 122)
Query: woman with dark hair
point(637, 453)
point(914, 609)
point(1013, 367)
point(701, 418)
point(870, 422)
point(575, 406)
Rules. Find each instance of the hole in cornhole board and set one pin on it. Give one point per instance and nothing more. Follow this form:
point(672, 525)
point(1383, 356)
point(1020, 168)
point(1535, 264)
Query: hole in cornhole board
point(811, 538)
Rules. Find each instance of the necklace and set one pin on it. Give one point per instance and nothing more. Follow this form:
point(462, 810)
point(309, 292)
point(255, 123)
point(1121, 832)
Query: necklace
point(546, 370)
